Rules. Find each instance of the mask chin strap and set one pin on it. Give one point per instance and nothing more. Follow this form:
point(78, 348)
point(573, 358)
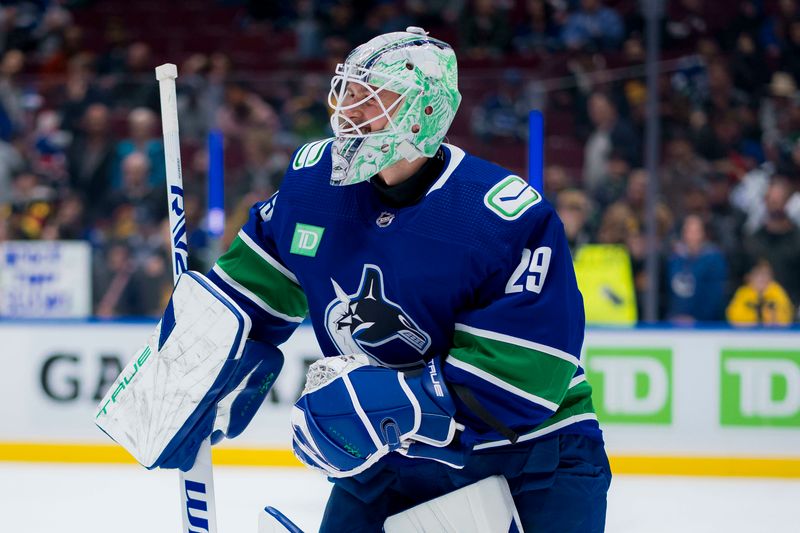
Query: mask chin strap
point(408, 151)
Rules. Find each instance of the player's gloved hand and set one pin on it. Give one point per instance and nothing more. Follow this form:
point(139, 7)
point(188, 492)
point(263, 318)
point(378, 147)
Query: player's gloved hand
point(351, 413)
point(250, 379)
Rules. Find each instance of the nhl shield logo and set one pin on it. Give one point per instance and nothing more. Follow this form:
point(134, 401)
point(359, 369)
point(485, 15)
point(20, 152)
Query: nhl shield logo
point(367, 320)
point(384, 219)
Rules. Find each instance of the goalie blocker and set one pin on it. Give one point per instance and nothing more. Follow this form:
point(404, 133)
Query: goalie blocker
point(197, 376)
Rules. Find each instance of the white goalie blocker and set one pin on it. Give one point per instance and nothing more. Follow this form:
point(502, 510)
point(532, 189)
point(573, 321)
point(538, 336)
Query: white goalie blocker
point(164, 384)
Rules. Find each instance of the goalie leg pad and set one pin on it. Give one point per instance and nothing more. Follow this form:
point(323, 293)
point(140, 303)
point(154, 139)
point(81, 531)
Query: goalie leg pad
point(165, 400)
point(483, 507)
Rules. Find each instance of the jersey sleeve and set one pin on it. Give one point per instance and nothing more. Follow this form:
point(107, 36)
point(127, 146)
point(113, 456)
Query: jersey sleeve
point(516, 354)
point(252, 273)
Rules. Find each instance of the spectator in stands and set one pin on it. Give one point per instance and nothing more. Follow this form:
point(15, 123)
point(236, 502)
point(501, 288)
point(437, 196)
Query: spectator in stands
point(503, 114)
point(218, 76)
point(11, 96)
point(79, 92)
point(307, 29)
point(485, 31)
point(113, 293)
point(722, 95)
point(615, 182)
point(134, 86)
point(141, 138)
point(244, 109)
point(610, 133)
point(749, 71)
point(725, 224)
point(192, 98)
point(17, 23)
point(147, 203)
point(682, 169)
point(32, 204)
point(90, 158)
point(778, 239)
point(51, 37)
point(69, 221)
point(778, 113)
point(304, 112)
point(263, 166)
point(539, 31)
point(697, 275)
point(776, 28)
point(152, 279)
point(556, 179)
point(686, 22)
point(47, 156)
point(11, 163)
point(624, 222)
point(748, 21)
point(574, 209)
point(760, 301)
point(593, 27)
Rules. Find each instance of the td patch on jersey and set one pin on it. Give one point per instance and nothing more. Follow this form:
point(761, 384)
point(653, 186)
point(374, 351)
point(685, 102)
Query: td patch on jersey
point(510, 198)
point(368, 322)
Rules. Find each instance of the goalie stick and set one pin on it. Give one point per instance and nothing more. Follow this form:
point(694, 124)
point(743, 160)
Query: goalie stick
point(199, 512)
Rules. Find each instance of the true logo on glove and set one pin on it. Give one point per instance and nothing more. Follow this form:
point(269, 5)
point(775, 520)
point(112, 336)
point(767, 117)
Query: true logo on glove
point(437, 386)
point(123, 381)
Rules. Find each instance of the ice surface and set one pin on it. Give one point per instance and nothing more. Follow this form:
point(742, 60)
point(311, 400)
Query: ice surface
point(38, 498)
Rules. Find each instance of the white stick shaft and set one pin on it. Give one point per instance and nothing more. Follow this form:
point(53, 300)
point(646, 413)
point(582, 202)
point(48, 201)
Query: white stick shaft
point(197, 485)
point(166, 74)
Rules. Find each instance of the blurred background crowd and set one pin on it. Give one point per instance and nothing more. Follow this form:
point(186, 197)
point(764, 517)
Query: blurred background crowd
point(81, 155)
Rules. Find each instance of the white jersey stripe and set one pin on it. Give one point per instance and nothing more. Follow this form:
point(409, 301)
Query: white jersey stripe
point(549, 350)
point(576, 380)
point(250, 295)
point(540, 432)
point(456, 156)
point(266, 257)
point(497, 382)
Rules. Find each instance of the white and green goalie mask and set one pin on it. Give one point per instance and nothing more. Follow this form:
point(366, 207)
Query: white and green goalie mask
point(413, 81)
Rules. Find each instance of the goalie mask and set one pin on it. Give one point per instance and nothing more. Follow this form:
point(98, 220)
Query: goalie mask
point(410, 83)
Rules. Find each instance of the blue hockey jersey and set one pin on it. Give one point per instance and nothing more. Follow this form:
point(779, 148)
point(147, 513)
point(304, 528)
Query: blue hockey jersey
point(477, 272)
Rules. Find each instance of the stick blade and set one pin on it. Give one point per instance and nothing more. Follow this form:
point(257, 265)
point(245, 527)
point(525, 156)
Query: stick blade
point(167, 71)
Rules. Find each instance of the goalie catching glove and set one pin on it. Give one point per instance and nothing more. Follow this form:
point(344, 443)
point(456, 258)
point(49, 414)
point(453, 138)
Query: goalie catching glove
point(197, 376)
point(351, 414)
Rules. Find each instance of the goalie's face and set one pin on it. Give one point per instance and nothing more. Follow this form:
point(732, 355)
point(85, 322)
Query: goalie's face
point(365, 109)
point(362, 104)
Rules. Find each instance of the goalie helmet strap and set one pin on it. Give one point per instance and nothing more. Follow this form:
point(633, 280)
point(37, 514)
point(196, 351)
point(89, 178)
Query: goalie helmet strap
point(469, 399)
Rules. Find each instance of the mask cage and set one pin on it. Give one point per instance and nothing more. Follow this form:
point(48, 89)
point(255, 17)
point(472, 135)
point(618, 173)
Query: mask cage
point(344, 126)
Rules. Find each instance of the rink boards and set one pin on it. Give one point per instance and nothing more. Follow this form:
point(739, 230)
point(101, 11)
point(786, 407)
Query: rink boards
point(671, 401)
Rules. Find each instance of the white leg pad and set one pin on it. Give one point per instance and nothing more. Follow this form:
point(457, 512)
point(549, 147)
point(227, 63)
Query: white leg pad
point(483, 507)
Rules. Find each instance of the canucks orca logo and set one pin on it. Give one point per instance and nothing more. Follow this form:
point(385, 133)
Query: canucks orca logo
point(364, 321)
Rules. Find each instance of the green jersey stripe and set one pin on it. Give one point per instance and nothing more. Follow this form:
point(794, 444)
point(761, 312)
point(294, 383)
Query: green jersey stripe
point(251, 270)
point(520, 368)
point(540, 432)
point(266, 257)
point(576, 407)
point(250, 295)
point(494, 380)
point(543, 348)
